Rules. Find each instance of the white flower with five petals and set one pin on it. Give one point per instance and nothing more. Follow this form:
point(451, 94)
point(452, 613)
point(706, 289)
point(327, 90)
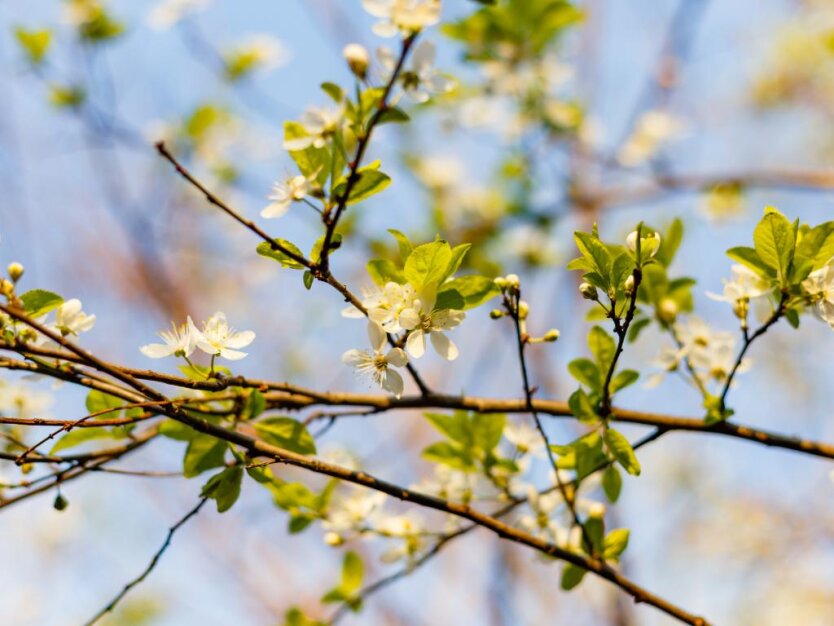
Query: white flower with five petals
point(402, 16)
point(376, 364)
point(219, 339)
point(71, 320)
point(320, 124)
point(179, 341)
point(284, 194)
point(820, 286)
point(422, 319)
point(744, 286)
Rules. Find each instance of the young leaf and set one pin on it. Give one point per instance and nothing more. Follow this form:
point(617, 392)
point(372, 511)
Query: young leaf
point(774, 238)
point(428, 263)
point(612, 483)
point(224, 488)
point(383, 271)
point(369, 183)
point(602, 346)
point(264, 249)
point(623, 379)
point(403, 243)
point(586, 372)
point(475, 289)
point(100, 401)
point(39, 302)
point(203, 453)
point(615, 544)
point(286, 433)
point(82, 435)
point(572, 575)
point(622, 451)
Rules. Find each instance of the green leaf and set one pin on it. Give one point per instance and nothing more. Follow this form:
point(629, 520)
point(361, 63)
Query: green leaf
point(487, 429)
point(308, 279)
point(750, 259)
point(581, 407)
point(475, 289)
point(383, 271)
point(602, 346)
point(38, 302)
point(623, 379)
point(815, 249)
point(586, 372)
point(224, 488)
point(334, 91)
point(286, 433)
point(458, 253)
point(177, 430)
point(428, 263)
point(449, 299)
point(100, 401)
point(671, 242)
point(455, 426)
point(448, 454)
point(615, 544)
point(403, 243)
point(255, 405)
point(572, 575)
point(612, 483)
point(369, 182)
point(82, 435)
point(203, 453)
point(311, 162)
point(392, 115)
point(774, 238)
point(267, 250)
point(352, 574)
point(596, 254)
point(621, 448)
point(637, 326)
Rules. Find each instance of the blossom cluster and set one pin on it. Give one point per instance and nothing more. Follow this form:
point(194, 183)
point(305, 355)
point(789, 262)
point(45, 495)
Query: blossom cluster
point(216, 338)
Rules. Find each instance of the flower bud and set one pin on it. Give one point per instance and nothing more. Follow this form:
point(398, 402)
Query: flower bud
point(596, 510)
point(333, 539)
point(496, 314)
point(551, 335)
point(357, 58)
point(649, 243)
point(60, 503)
point(500, 282)
point(15, 271)
point(588, 291)
point(512, 281)
point(6, 288)
point(628, 285)
point(667, 310)
point(523, 309)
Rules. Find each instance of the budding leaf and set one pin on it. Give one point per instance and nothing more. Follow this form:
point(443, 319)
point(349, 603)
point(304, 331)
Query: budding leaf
point(39, 302)
point(572, 575)
point(265, 249)
point(621, 448)
point(612, 483)
point(615, 544)
point(286, 433)
point(224, 488)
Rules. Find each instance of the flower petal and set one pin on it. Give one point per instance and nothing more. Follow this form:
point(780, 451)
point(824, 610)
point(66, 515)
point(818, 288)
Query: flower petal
point(416, 343)
point(393, 382)
point(397, 357)
point(444, 346)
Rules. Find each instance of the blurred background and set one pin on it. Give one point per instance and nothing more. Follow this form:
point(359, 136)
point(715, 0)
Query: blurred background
point(740, 98)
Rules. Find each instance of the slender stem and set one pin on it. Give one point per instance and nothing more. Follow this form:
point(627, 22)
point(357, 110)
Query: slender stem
point(154, 561)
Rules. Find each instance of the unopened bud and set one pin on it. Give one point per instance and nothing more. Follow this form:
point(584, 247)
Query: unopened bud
point(15, 271)
point(649, 243)
point(6, 288)
point(512, 281)
point(588, 291)
point(551, 335)
point(60, 503)
point(496, 314)
point(333, 539)
point(357, 58)
point(500, 282)
point(523, 309)
point(596, 510)
point(668, 310)
point(628, 285)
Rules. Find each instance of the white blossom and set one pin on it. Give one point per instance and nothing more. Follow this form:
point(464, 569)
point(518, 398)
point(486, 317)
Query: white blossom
point(179, 341)
point(745, 285)
point(420, 79)
point(422, 319)
point(527, 439)
point(409, 528)
point(402, 16)
point(376, 364)
point(284, 194)
point(23, 401)
point(649, 242)
point(71, 320)
point(320, 124)
point(353, 513)
point(219, 339)
point(820, 285)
